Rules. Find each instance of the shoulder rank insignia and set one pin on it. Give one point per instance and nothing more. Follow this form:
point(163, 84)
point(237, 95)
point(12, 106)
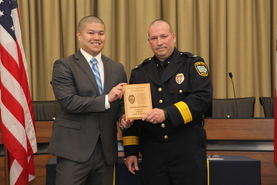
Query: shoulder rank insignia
point(201, 68)
point(179, 78)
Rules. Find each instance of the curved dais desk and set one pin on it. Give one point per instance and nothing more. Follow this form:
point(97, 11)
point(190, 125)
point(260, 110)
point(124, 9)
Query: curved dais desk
point(224, 170)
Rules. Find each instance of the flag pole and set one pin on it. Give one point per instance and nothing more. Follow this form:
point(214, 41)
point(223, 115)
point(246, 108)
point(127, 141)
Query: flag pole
point(7, 170)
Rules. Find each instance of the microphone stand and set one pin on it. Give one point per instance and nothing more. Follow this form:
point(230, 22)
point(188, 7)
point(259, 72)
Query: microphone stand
point(236, 106)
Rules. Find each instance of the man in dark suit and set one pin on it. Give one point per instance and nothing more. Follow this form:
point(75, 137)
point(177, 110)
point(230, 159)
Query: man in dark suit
point(84, 134)
point(170, 137)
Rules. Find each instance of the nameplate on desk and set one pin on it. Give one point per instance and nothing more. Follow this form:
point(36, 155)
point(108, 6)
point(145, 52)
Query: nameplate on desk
point(215, 159)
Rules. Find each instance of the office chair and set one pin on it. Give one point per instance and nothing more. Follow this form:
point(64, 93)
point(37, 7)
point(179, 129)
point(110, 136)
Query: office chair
point(233, 107)
point(46, 110)
point(268, 106)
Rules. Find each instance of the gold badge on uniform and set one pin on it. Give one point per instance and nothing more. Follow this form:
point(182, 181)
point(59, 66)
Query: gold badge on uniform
point(179, 78)
point(201, 68)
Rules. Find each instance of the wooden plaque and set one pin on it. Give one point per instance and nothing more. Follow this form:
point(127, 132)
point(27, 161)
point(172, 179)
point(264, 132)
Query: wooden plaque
point(137, 100)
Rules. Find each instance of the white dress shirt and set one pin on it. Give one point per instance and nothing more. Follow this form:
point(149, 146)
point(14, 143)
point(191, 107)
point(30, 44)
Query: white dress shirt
point(100, 65)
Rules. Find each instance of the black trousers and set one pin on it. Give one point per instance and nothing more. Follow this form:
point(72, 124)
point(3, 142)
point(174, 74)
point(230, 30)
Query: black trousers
point(178, 162)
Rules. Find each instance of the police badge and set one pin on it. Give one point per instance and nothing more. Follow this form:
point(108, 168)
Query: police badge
point(179, 78)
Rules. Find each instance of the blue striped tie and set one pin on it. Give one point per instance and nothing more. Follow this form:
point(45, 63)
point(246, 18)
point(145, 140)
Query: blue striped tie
point(97, 74)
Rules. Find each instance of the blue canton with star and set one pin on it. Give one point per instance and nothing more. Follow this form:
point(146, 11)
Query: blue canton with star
point(6, 21)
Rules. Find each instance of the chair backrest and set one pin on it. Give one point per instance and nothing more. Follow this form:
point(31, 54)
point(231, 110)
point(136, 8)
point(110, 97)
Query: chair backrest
point(233, 107)
point(268, 106)
point(46, 110)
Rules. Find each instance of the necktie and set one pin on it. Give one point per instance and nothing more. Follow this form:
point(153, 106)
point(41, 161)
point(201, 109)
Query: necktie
point(97, 74)
point(161, 68)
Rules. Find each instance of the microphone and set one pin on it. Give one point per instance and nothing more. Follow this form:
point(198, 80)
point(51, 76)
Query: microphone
point(230, 75)
point(236, 106)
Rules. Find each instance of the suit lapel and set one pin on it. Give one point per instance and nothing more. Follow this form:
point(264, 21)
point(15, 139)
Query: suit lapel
point(107, 73)
point(153, 76)
point(87, 69)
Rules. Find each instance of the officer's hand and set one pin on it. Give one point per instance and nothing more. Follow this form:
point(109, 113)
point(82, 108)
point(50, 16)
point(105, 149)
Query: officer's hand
point(132, 164)
point(125, 123)
point(154, 116)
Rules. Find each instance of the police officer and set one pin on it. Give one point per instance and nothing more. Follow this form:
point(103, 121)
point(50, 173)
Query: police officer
point(170, 137)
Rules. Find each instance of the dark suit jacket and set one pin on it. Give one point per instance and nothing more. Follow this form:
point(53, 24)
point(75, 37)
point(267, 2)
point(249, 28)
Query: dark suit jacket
point(83, 117)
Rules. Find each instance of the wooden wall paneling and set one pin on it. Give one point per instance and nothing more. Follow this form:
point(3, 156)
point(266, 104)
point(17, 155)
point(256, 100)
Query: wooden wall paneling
point(239, 129)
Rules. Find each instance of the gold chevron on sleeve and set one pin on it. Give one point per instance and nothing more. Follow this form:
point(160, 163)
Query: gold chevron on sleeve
point(184, 111)
point(130, 140)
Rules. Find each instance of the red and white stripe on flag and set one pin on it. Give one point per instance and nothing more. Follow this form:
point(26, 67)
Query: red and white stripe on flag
point(17, 117)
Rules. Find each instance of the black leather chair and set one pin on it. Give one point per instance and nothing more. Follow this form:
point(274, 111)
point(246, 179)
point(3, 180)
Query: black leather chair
point(46, 110)
point(268, 106)
point(233, 107)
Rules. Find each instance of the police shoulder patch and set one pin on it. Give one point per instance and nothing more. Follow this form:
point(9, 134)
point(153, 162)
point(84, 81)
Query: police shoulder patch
point(201, 68)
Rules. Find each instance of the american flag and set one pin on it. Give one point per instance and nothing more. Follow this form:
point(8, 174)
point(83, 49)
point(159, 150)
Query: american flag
point(17, 117)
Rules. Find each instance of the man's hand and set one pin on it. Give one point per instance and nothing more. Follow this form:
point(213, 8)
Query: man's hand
point(132, 164)
point(116, 92)
point(125, 123)
point(154, 116)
